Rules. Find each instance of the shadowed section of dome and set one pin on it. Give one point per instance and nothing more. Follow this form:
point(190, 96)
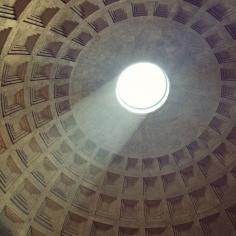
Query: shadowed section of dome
point(4, 230)
point(73, 161)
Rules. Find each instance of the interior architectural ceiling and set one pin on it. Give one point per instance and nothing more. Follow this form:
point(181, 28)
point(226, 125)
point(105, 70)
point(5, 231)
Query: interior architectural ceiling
point(73, 162)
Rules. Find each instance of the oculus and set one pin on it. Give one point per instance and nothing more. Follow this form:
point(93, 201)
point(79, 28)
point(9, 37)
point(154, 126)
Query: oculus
point(142, 88)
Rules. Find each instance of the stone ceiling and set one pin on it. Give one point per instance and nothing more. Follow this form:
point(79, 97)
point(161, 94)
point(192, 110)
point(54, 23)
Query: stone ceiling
point(73, 162)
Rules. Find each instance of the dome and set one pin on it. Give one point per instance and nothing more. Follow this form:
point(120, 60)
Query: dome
point(74, 161)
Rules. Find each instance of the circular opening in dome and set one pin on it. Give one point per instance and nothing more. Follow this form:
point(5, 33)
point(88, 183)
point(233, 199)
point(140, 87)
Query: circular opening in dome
point(142, 88)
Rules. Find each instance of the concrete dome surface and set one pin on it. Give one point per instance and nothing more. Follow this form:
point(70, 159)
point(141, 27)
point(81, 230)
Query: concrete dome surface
point(74, 162)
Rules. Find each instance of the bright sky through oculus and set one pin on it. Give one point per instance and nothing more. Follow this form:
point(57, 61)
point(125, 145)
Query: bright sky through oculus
point(142, 88)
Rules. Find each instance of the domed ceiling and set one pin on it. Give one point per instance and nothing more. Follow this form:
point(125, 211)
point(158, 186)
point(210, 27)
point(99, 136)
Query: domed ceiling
point(74, 162)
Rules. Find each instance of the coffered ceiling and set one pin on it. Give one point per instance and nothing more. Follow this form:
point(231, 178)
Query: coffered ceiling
point(73, 162)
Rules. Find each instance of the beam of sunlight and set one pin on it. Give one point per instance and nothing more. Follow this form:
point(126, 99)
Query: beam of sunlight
point(104, 120)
